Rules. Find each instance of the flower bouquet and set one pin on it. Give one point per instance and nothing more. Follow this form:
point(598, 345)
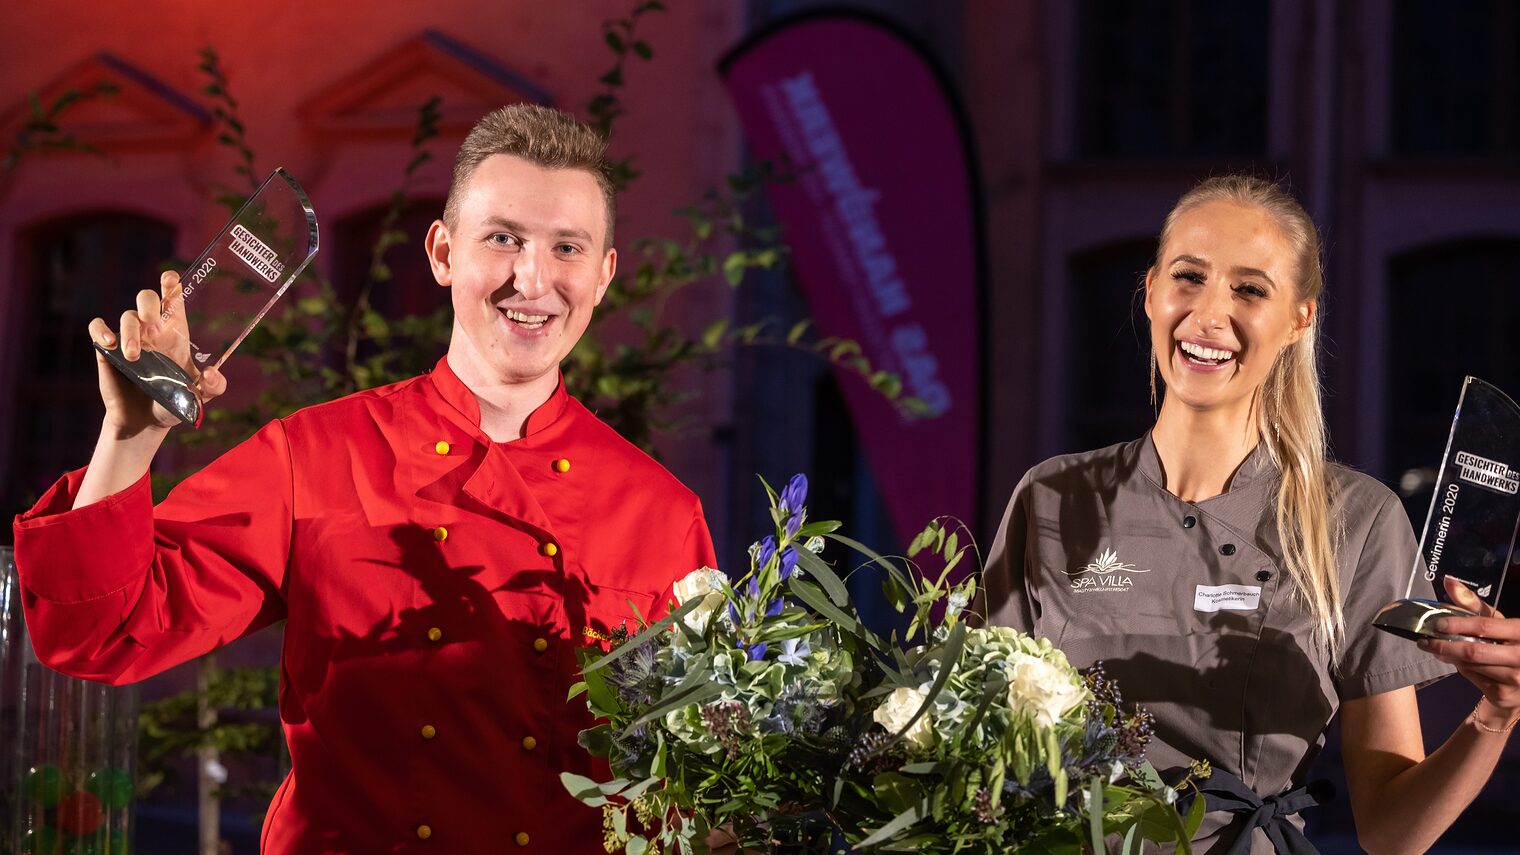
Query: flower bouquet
point(763, 712)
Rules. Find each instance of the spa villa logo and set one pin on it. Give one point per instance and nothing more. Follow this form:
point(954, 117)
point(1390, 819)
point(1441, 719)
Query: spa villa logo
point(1107, 573)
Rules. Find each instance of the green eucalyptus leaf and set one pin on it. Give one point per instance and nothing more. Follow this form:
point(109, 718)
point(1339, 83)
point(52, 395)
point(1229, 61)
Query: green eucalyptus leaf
point(587, 791)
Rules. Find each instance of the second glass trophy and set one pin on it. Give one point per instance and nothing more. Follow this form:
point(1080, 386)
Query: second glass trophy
point(1469, 532)
point(223, 294)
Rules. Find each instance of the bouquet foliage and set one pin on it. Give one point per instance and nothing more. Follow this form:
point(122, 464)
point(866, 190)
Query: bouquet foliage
point(763, 712)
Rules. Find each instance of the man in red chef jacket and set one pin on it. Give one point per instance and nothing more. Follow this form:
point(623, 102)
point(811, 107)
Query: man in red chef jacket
point(437, 546)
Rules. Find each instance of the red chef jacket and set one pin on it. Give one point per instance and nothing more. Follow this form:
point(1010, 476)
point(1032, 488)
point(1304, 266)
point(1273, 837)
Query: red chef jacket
point(436, 584)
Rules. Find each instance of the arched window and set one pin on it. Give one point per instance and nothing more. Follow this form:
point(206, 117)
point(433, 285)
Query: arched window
point(411, 289)
point(1171, 78)
point(1107, 347)
point(1455, 72)
point(71, 270)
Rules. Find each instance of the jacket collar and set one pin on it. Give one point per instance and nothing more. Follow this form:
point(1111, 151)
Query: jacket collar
point(1256, 468)
point(459, 396)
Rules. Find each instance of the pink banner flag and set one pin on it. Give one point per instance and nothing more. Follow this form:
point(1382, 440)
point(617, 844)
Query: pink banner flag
point(885, 235)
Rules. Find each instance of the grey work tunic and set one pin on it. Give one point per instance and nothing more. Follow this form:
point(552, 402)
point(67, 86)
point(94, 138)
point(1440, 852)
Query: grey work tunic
point(1189, 609)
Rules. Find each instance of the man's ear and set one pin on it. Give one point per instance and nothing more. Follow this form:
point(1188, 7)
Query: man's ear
point(609, 269)
point(437, 245)
point(1303, 318)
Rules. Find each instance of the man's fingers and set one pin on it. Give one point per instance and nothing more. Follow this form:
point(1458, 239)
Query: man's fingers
point(212, 383)
point(101, 334)
point(172, 291)
point(147, 310)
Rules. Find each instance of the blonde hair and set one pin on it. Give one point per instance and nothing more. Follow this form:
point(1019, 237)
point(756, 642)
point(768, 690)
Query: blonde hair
point(1289, 417)
point(540, 135)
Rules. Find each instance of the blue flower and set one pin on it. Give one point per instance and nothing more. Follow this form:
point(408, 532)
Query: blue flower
point(756, 651)
point(775, 607)
point(788, 562)
point(795, 494)
point(794, 651)
point(793, 524)
point(753, 588)
point(767, 549)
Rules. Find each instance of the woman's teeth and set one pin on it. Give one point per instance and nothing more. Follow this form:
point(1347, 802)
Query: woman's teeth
point(531, 322)
point(1206, 354)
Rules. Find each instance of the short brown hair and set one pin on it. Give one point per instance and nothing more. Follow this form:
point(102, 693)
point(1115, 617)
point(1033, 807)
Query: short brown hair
point(540, 135)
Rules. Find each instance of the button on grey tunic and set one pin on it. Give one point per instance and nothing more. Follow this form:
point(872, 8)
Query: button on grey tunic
point(1189, 609)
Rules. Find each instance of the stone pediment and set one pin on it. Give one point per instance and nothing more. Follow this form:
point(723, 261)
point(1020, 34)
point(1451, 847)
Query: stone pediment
point(142, 110)
point(382, 96)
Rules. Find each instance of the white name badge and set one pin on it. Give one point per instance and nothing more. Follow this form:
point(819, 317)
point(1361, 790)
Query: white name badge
point(1235, 598)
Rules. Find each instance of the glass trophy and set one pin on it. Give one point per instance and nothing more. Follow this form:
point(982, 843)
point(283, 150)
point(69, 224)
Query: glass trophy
point(1470, 530)
point(223, 294)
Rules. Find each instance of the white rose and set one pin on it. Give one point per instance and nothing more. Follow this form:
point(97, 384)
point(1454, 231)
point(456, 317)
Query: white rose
point(1042, 689)
point(699, 584)
point(898, 709)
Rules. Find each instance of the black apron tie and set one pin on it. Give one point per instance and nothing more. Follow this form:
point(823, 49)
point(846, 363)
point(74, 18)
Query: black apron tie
point(1223, 791)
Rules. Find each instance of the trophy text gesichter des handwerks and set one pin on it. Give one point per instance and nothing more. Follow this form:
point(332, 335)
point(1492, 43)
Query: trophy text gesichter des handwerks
point(223, 294)
point(1469, 532)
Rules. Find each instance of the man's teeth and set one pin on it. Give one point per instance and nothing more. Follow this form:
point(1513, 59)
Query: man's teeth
point(1206, 352)
point(530, 321)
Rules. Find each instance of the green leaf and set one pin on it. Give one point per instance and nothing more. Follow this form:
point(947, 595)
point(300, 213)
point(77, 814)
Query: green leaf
point(695, 695)
point(583, 789)
point(636, 846)
point(1095, 815)
point(901, 822)
point(643, 50)
point(824, 574)
point(713, 335)
point(644, 637)
point(798, 330)
point(813, 529)
point(596, 740)
point(810, 594)
point(615, 41)
point(887, 383)
point(733, 268)
point(1194, 817)
point(950, 659)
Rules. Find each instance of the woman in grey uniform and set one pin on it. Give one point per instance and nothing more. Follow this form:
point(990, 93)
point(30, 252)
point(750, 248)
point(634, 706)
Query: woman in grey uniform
point(1227, 574)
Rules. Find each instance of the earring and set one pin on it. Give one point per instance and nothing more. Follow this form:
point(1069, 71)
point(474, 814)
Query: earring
point(1280, 373)
point(1153, 380)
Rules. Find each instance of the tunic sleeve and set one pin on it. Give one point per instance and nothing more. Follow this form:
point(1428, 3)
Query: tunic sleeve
point(1006, 598)
point(117, 591)
point(1372, 661)
point(696, 551)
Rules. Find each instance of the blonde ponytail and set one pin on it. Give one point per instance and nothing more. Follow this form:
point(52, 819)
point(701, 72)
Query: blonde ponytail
point(1290, 419)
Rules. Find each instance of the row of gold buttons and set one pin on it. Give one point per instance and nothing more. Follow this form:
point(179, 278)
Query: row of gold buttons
point(540, 645)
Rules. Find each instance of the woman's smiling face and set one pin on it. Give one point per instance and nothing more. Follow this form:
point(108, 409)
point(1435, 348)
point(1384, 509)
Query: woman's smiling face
point(1223, 302)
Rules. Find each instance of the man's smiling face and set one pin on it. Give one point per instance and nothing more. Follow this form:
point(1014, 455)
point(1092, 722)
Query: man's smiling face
point(526, 262)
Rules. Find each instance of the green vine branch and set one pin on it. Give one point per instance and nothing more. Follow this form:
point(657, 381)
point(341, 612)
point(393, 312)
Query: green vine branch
point(42, 129)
